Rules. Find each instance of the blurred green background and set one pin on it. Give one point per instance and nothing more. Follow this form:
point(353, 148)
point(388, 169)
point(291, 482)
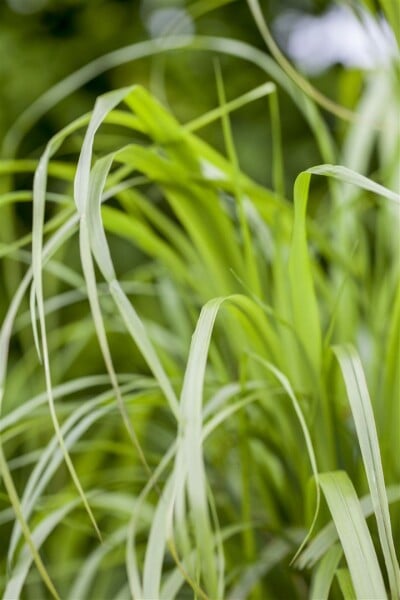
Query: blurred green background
point(43, 41)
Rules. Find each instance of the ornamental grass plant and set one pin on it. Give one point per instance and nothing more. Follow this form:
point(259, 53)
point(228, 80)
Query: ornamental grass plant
point(199, 375)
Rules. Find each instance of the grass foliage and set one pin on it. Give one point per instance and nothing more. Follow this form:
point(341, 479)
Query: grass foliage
point(184, 409)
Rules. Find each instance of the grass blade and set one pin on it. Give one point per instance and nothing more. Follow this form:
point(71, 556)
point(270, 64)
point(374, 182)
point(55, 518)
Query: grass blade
point(345, 584)
point(304, 302)
point(191, 447)
point(39, 535)
point(39, 199)
point(354, 535)
point(325, 573)
point(310, 450)
point(363, 416)
point(349, 176)
point(327, 537)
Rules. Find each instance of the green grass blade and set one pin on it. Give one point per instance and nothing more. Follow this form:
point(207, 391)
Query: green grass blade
point(48, 463)
point(246, 241)
point(104, 105)
point(345, 584)
point(363, 416)
point(349, 176)
point(156, 547)
point(354, 535)
point(278, 170)
point(39, 199)
point(302, 83)
point(157, 541)
point(327, 537)
point(39, 536)
point(283, 380)
point(14, 500)
point(231, 105)
point(191, 448)
point(304, 302)
point(324, 574)
point(90, 277)
point(88, 192)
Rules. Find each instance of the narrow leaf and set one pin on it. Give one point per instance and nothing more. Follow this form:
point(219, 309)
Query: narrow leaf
point(354, 535)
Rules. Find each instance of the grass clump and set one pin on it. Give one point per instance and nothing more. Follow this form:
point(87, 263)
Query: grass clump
point(190, 416)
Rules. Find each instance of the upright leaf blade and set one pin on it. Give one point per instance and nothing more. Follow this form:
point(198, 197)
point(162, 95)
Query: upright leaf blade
point(304, 302)
point(363, 416)
point(354, 535)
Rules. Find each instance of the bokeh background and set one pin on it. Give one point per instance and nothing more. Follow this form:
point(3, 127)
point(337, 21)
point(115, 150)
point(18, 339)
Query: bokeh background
point(43, 41)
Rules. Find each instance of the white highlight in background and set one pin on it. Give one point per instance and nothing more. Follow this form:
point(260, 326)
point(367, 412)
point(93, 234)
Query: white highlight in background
point(315, 43)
